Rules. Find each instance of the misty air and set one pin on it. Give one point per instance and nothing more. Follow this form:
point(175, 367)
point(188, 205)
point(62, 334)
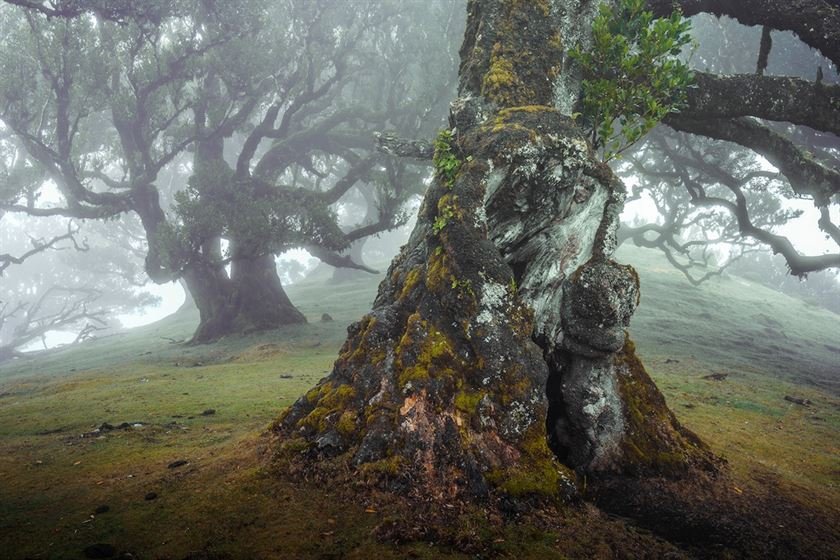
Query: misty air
point(463, 279)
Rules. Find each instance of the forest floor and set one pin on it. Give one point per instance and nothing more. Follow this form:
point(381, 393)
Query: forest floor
point(725, 355)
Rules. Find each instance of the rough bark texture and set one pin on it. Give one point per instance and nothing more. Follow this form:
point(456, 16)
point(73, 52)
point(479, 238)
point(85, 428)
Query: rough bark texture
point(503, 319)
point(767, 97)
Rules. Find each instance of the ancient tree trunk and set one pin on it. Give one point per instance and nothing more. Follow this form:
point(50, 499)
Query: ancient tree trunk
point(262, 302)
point(498, 335)
point(252, 297)
point(210, 289)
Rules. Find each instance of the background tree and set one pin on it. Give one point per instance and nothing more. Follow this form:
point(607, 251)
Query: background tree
point(264, 96)
point(71, 291)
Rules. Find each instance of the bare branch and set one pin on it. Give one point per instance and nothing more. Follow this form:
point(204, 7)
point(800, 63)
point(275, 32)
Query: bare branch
point(767, 97)
point(807, 176)
point(391, 144)
point(334, 259)
point(41, 245)
point(816, 22)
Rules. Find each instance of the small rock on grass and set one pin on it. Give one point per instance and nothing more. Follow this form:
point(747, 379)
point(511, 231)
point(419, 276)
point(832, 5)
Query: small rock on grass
point(176, 464)
point(151, 496)
point(209, 412)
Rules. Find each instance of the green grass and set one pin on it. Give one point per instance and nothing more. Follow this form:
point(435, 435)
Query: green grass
point(223, 503)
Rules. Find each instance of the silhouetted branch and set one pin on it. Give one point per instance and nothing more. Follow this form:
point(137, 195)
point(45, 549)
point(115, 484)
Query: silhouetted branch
point(41, 245)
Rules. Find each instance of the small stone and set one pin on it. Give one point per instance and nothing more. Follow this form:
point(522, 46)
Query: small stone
point(176, 464)
point(105, 427)
point(326, 318)
point(286, 376)
point(100, 550)
point(102, 509)
point(124, 426)
point(151, 496)
point(209, 412)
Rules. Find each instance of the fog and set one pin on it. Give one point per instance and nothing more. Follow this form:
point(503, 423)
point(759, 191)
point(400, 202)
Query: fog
point(385, 193)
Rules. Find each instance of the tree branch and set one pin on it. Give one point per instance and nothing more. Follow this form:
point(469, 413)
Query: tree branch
point(767, 97)
point(807, 176)
point(40, 245)
point(389, 143)
point(816, 22)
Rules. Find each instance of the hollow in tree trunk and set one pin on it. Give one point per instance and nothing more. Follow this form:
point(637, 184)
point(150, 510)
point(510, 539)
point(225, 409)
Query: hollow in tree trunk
point(495, 361)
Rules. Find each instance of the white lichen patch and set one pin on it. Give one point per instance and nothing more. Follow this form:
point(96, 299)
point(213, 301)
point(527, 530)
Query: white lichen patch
point(518, 420)
point(576, 18)
point(493, 299)
point(480, 217)
point(590, 394)
point(492, 183)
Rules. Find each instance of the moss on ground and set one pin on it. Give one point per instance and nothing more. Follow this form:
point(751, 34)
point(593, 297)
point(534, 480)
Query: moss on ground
point(223, 503)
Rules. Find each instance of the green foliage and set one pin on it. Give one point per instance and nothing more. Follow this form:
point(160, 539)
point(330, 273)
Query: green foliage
point(261, 218)
point(446, 162)
point(632, 77)
point(446, 214)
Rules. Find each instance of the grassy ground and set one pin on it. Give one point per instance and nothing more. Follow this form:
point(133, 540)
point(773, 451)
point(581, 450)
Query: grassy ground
point(223, 504)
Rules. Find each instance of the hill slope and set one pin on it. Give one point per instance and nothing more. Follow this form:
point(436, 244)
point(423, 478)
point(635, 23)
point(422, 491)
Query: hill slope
point(207, 404)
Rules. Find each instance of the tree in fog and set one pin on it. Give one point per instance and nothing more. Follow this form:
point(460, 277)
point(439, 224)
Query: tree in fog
point(273, 104)
point(702, 230)
point(495, 362)
point(72, 283)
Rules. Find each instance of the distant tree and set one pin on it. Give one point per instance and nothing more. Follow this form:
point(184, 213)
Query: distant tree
point(72, 289)
point(273, 99)
point(697, 189)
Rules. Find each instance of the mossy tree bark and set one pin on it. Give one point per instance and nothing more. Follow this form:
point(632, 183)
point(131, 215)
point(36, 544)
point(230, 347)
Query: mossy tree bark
point(497, 342)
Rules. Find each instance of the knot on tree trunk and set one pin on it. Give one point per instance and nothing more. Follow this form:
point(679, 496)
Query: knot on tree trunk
point(600, 299)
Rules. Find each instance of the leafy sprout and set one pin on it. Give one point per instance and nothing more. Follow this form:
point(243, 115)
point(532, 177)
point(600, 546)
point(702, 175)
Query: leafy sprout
point(632, 74)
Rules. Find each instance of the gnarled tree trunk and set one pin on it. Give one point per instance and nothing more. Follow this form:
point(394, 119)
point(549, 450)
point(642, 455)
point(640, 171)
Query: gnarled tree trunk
point(497, 342)
point(250, 298)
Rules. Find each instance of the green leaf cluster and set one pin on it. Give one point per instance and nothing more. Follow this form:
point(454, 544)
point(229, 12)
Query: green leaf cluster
point(632, 76)
point(446, 162)
point(447, 214)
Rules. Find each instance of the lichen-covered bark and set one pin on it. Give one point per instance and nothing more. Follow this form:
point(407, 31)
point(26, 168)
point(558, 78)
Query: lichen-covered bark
point(440, 389)
point(502, 322)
